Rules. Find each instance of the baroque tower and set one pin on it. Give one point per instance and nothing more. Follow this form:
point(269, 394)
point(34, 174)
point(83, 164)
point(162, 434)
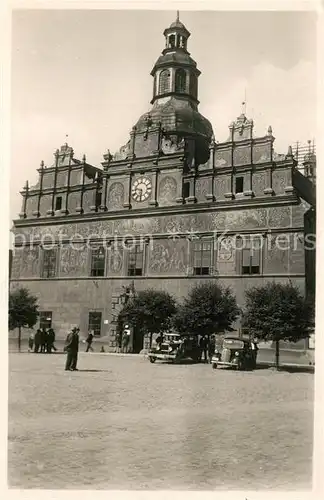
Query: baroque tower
point(175, 97)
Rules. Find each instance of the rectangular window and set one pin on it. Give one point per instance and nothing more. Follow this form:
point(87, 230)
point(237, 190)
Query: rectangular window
point(239, 184)
point(202, 258)
point(251, 256)
point(186, 190)
point(98, 199)
point(94, 323)
point(45, 319)
point(98, 260)
point(135, 261)
point(58, 203)
point(49, 266)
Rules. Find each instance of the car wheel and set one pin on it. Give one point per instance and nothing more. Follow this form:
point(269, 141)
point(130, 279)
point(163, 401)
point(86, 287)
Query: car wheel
point(214, 366)
point(152, 359)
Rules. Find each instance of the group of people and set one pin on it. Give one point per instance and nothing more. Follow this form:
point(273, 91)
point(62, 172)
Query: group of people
point(123, 341)
point(207, 348)
point(42, 341)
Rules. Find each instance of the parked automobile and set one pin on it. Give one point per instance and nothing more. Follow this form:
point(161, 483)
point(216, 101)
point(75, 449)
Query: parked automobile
point(235, 352)
point(175, 347)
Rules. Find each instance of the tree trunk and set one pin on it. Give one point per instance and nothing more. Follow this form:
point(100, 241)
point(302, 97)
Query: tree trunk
point(277, 355)
point(19, 338)
point(151, 336)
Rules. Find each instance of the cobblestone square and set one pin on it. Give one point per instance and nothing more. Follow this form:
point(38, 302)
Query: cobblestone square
point(123, 423)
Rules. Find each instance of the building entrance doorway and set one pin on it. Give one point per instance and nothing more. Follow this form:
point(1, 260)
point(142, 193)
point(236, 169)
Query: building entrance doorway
point(138, 341)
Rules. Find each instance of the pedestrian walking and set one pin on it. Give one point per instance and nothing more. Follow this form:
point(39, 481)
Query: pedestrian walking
point(89, 341)
point(31, 342)
point(51, 340)
point(38, 337)
point(72, 348)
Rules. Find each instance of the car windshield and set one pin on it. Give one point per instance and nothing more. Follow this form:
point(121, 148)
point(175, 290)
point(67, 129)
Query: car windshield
point(233, 344)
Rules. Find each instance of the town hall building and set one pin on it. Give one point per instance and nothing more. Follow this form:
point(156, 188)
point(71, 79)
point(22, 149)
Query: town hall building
point(172, 207)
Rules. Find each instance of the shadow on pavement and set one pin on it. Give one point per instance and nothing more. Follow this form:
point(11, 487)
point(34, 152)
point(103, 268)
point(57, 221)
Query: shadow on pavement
point(288, 369)
point(85, 370)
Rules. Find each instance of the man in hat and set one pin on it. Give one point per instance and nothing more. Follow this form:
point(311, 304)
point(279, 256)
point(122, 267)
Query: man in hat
point(72, 349)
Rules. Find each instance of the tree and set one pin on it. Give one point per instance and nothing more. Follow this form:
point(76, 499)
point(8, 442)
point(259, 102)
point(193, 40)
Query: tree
point(23, 311)
point(277, 312)
point(149, 311)
point(209, 309)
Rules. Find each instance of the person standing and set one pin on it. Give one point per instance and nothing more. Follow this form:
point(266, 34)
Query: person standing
point(203, 344)
point(38, 337)
point(211, 347)
point(118, 342)
point(89, 341)
point(51, 340)
point(125, 341)
point(72, 348)
point(43, 340)
point(30, 342)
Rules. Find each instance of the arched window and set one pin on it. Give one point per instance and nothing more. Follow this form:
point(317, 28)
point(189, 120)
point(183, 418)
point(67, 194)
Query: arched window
point(180, 80)
point(193, 86)
point(164, 82)
point(172, 40)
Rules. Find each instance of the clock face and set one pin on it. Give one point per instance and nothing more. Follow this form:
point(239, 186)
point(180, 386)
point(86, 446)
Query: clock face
point(141, 189)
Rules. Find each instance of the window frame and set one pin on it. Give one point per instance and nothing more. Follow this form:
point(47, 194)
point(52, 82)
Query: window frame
point(180, 77)
point(202, 270)
point(49, 266)
point(91, 323)
point(254, 253)
point(239, 178)
point(58, 198)
point(43, 322)
point(164, 82)
point(93, 268)
point(136, 250)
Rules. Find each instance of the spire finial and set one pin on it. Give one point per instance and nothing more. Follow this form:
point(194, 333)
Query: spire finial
point(177, 16)
point(244, 104)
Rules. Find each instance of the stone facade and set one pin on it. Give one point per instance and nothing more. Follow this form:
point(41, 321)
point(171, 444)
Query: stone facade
point(148, 208)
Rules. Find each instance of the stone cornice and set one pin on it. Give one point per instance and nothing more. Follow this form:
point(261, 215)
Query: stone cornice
point(264, 231)
point(275, 201)
point(161, 277)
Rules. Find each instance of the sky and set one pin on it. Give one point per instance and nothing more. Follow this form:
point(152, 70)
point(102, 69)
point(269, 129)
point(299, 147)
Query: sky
point(85, 74)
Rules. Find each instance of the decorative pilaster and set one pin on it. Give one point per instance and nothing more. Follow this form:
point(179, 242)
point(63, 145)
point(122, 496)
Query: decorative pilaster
point(211, 196)
point(128, 193)
point(36, 213)
point(153, 202)
point(249, 192)
point(23, 214)
point(51, 210)
point(79, 209)
point(289, 188)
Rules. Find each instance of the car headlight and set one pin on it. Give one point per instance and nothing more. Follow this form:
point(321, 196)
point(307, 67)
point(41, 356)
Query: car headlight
point(170, 348)
point(237, 353)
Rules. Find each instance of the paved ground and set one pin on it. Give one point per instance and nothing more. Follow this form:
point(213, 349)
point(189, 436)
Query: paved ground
point(123, 423)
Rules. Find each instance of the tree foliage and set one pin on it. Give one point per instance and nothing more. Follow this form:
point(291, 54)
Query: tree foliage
point(23, 309)
point(277, 312)
point(209, 308)
point(149, 311)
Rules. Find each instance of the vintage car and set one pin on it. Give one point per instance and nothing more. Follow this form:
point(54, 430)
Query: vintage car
point(235, 352)
point(175, 348)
